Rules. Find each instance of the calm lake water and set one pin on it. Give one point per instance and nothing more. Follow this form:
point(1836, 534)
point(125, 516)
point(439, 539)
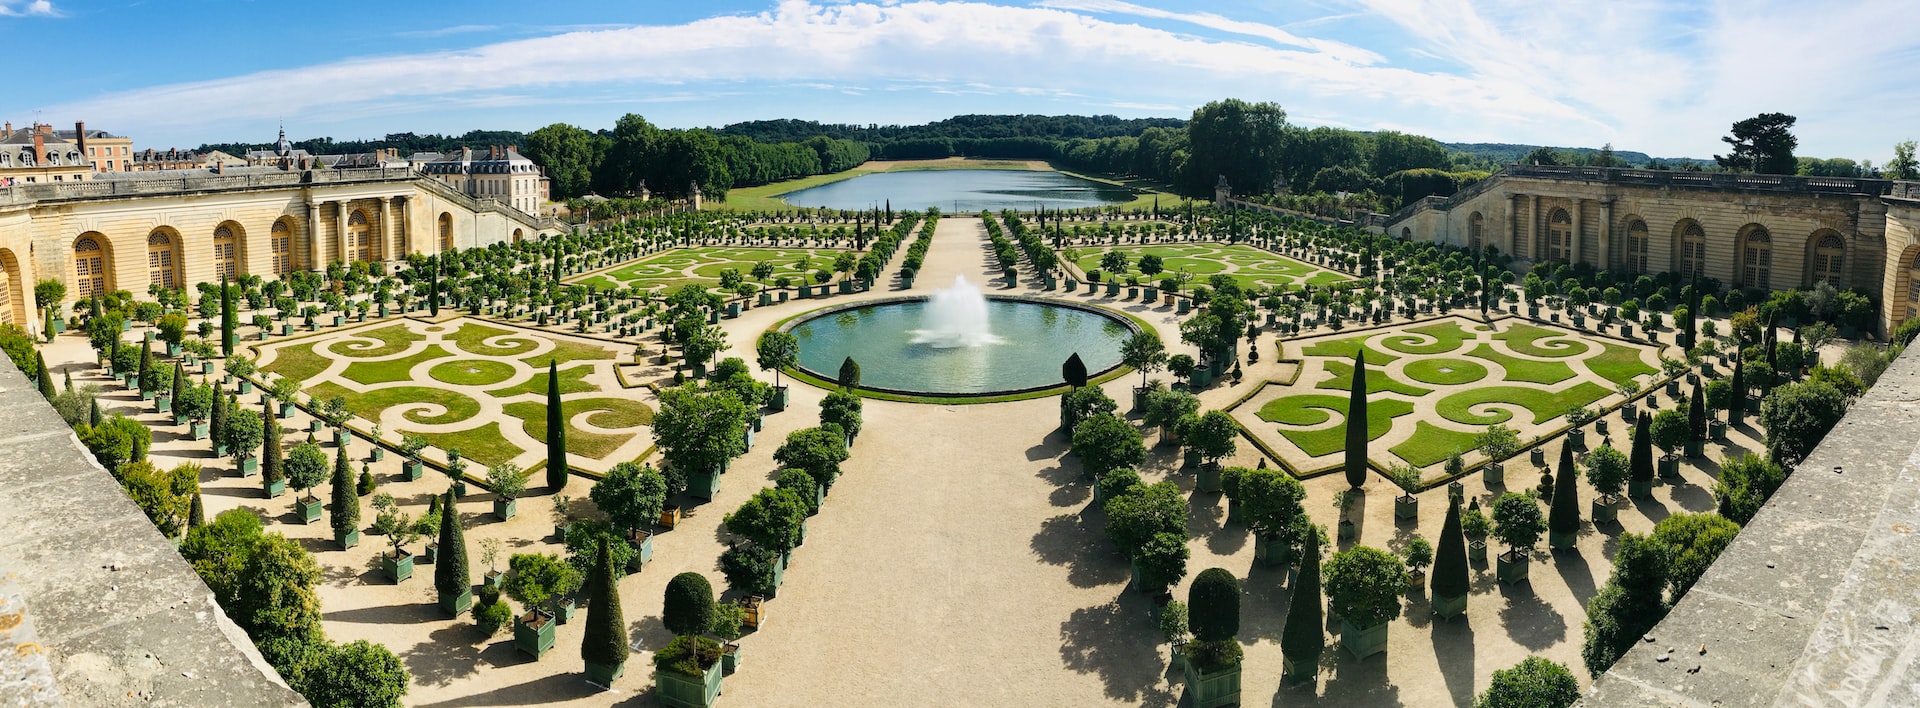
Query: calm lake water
point(961, 191)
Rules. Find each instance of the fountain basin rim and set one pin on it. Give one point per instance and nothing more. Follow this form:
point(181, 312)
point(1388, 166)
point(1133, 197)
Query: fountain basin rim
point(1133, 325)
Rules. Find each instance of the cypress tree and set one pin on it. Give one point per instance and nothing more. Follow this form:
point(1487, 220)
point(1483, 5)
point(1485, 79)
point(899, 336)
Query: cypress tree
point(227, 318)
point(1564, 515)
point(346, 504)
point(179, 382)
point(1697, 413)
point(146, 360)
point(67, 376)
point(1450, 560)
point(270, 450)
point(433, 288)
point(1641, 470)
point(450, 574)
point(93, 307)
point(1773, 371)
point(1738, 413)
point(1357, 423)
point(217, 417)
point(44, 377)
point(1305, 634)
point(849, 374)
point(1693, 310)
point(557, 254)
point(93, 413)
point(1074, 371)
point(556, 431)
point(605, 643)
point(197, 513)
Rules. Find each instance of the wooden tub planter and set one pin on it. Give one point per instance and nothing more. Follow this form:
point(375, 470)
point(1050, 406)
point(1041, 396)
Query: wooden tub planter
point(246, 386)
point(163, 403)
point(1406, 507)
point(1694, 448)
point(1577, 437)
point(1560, 541)
point(1449, 607)
point(492, 579)
point(413, 470)
point(1511, 566)
point(1538, 456)
point(604, 675)
point(1493, 473)
point(1271, 551)
point(430, 556)
point(669, 517)
point(286, 410)
point(1210, 689)
point(456, 604)
point(1208, 480)
point(342, 438)
point(309, 508)
point(1477, 552)
point(378, 454)
point(314, 426)
point(274, 489)
point(249, 466)
point(1363, 641)
point(642, 542)
point(678, 690)
point(200, 430)
point(1640, 490)
point(703, 484)
point(347, 540)
point(729, 658)
point(397, 567)
point(533, 633)
point(1669, 466)
point(564, 608)
point(1606, 508)
point(756, 607)
point(779, 400)
point(1717, 430)
point(1190, 459)
point(505, 508)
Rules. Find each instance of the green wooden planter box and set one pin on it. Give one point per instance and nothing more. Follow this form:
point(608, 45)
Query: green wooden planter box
point(430, 556)
point(1363, 641)
point(703, 484)
point(1406, 507)
point(1212, 689)
point(779, 400)
point(1538, 456)
point(1717, 430)
point(1561, 540)
point(604, 675)
point(729, 658)
point(1291, 673)
point(493, 579)
point(200, 430)
point(1640, 490)
point(249, 466)
point(1605, 510)
point(564, 609)
point(1208, 480)
point(342, 438)
point(1694, 448)
point(309, 508)
point(275, 489)
point(456, 604)
point(163, 404)
point(378, 454)
point(413, 469)
point(146, 395)
point(314, 426)
point(678, 690)
point(246, 386)
point(1511, 567)
point(1493, 473)
point(347, 540)
point(1669, 466)
point(642, 543)
point(286, 410)
point(1577, 437)
point(505, 508)
point(397, 569)
point(1477, 552)
point(534, 637)
point(1271, 552)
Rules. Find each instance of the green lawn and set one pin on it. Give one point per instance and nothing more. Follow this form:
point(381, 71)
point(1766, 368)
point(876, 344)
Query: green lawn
point(472, 372)
point(567, 350)
point(1619, 363)
point(1315, 409)
point(572, 380)
point(379, 372)
point(1449, 336)
point(393, 339)
point(484, 445)
point(1443, 372)
point(1251, 267)
point(371, 404)
point(1432, 444)
point(1524, 370)
point(471, 338)
point(609, 413)
point(1346, 348)
point(702, 266)
point(1545, 405)
point(298, 361)
point(1526, 339)
point(1377, 380)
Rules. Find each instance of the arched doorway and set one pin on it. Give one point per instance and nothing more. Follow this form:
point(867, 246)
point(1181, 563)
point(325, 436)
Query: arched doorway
point(281, 241)
point(518, 235)
point(1637, 246)
point(360, 244)
point(1689, 249)
point(1559, 236)
point(13, 299)
point(446, 232)
point(226, 250)
point(163, 258)
point(1829, 258)
point(1474, 225)
point(91, 265)
point(1756, 257)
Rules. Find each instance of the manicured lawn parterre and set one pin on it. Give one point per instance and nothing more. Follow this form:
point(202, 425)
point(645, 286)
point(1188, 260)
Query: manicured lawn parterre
point(471, 372)
point(420, 399)
point(1432, 444)
point(1346, 348)
point(392, 339)
point(300, 363)
point(1619, 363)
point(484, 446)
point(1545, 405)
point(480, 339)
point(1314, 409)
point(573, 379)
point(1441, 372)
point(1377, 381)
point(606, 413)
point(1445, 337)
point(391, 370)
point(702, 266)
point(1252, 267)
point(1525, 370)
point(1527, 339)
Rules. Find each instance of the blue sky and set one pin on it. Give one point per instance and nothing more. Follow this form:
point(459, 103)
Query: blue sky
point(1661, 77)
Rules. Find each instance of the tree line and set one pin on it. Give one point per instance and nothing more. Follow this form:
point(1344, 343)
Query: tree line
point(636, 153)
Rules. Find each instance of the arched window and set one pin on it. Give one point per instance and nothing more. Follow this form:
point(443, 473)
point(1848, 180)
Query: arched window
point(1829, 255)
point(1637, 247)
point(1693, 251)
point(160, 260)
point(282, 244)
point(446, 232)
point(89, 266)
point(225, 257)
point(1474, 225)
point(1559, 236)
point(1756, 259)
point(359, 237)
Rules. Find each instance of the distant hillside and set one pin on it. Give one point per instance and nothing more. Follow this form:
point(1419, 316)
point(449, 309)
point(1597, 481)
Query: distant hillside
point(1509, 153)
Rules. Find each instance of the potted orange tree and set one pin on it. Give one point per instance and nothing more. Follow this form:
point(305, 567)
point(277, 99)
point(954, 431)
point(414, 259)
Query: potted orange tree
point(687, 671)
point(399, 528)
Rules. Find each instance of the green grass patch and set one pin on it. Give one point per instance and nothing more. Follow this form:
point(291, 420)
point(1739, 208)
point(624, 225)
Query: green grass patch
point(472, 372)
point(1315, 409)
point(1449, 336)
point(607, 413)
point(1618, 363)
point(1250, 267)
point(1524, 370)
point(393, 340)
point(298, 361)
point(1545, 405)
point(1346, 348)
point(1444, 372)
point(572, 380)
point(484, 446)
point(1377, 381)
point(1432, 445)
point(471, 339)
point(566, 350)
point(379, 372)
point(1526, 339)
point(372, 404)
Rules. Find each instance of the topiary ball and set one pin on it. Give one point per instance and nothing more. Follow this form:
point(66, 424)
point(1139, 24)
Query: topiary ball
point(688, 609)
point(1213, 605)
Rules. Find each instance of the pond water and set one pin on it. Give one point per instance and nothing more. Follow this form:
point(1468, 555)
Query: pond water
point(961, 191)
point(1028, 343)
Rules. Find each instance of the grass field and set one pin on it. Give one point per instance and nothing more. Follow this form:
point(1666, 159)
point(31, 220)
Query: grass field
point(1442, 372)
point(702, 266)
point(1526, 370)
point(1544, 405)
point(1314, 409)
point(1432, 444)
point(1251, 267)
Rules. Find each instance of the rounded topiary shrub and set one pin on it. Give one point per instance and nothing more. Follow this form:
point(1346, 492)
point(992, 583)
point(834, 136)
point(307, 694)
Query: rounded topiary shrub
point(1213, 605)
point(689, 604)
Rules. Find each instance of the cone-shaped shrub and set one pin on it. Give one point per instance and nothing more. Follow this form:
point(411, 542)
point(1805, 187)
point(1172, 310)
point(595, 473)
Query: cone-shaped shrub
point(556, 431)
point(346, 503)
point(450, 575)
point(1305, 634)
point(45, 379)
point(93, 413)
point(849, 374)
point(1738, 412)
point(1357, 424)
point(1564, 516)
point(1697, 413)
point(228, 320)
point(1642, 465)
point(270, 450)
point(1213, 605)
point(197, 513)
point(1450, 561)
point(606, 636)
point(1074, 371)
point(688, 609)
point(217, 419)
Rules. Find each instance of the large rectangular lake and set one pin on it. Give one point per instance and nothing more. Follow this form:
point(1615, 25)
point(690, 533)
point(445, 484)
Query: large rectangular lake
point(961, 191)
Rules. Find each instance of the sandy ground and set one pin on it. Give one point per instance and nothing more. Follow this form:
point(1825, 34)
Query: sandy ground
point(959, 561)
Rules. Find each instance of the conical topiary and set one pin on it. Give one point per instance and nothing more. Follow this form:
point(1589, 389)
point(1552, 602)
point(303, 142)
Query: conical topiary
point(450, 574)
point(196, 513)
point(1697, 413)
point(849, 374)
point(605, 643)
point(1305, 635)
point(1450, 559)
point(1564, 516)
point(1357, 424)
point(179, 382)
point(228, 321)
point(1641, 469)
point(93, 413)
point(270, 450)
point(1738, 412)
point(346, 503)
point(42, 376)
point(1074, 371)
point(556, 431)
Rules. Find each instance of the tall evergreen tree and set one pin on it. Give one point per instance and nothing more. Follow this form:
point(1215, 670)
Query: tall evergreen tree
point(450, 574)
point(217, 418)
point(179, 383)
point(1641, 470)
point(433, 287)
point(228, 320)
point(93, 413)
point(42, 376)
point(196, 512)
point(1563, 517)
point(605, 641)
point(1697, 413)
point(1450, 559)
point(556, 431)
point(346, 503)
point(148, 383)
point(1305, 634)
point(1738, 413)
point(270, 471)
point(1357, 423)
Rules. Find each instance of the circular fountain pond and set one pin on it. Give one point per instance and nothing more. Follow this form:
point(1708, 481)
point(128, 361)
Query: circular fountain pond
point(959, 342)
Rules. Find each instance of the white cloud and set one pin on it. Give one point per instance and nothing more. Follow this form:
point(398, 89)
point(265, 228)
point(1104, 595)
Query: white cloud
point(39, 8)
point(1338, 50)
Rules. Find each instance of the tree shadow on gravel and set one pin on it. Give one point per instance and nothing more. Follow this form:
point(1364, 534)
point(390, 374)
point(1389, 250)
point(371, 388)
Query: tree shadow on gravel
point(556, 688)
point(451, 653)
point(1529, 621)
point(1076, 541)
point(1359, 682)
point(1453, 645)
point(1116, 640)
point(1576, 573)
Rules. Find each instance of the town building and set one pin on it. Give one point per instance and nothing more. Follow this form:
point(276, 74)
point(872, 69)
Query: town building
point(109, 152)
point(38, 155)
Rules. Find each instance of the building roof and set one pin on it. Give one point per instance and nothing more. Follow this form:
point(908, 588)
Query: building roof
point(91, 135)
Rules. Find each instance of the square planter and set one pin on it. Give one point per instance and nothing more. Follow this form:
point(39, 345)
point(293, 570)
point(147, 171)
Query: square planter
point(533, 633)
point(1493, 473)
point(457, 604)
point(1208, 480)
point(1291, 673)
point(275, 488)
point(286, 410)
point(1694, 448)
point(1363, 641)
point(492, 579)
point(505, 508)
point(1212, 689)
point(1271, 551)
point(604, 675)
point(729, 658)
point(756, 607)
point(163, 404)
point(246, 386)
point(564, 609)
point(1538, 456)
point(1477, 552)
point(642, 543)
point(1717, 430)
point(200, 430)
point(413, 469)
point(1669, 466)
point(347, 540)
point(1561, 540)
point(1640, 490)
point(249, 466)
point(703, 484)
point(1604, 509)
point(1406, 507)
point(677, 690)
point(1511, 567)
point(309, 508)
point(378, 454)
point(314, 426)
point(779, 400)
point(430, 556)
point(669, 516)
point(397, 568)
point(342, 438)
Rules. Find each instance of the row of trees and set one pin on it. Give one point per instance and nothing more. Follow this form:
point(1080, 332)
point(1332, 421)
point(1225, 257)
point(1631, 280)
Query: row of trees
point(636, 153)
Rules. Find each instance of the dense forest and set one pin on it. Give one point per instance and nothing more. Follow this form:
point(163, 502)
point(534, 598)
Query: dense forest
point(407, 143)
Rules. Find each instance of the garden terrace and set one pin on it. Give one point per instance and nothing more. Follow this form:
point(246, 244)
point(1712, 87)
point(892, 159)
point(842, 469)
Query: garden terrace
point(702, 266)
point(1254, 269)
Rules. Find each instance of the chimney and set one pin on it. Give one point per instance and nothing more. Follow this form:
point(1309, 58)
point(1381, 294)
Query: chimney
point(9, 127)
point(39, 147)
point(80, 137)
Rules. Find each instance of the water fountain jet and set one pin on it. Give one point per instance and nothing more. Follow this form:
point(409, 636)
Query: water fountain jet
point(956, 317)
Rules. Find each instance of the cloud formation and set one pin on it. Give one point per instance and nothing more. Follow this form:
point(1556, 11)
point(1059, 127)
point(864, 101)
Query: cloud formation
point(39, 8)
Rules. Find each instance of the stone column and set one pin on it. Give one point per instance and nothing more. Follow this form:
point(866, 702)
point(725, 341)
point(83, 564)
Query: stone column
point(385, 238)
point(340, 230)
point(314, 214)
point(1578, 237)
point(1606, 234)
point(1533, 230)
point(1513, 227)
